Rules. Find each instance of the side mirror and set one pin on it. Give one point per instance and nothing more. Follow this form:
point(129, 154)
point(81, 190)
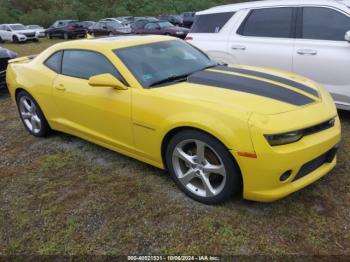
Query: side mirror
point(107, 80)
point(347, 36)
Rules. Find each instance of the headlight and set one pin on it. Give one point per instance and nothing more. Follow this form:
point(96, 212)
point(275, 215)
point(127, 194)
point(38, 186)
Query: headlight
point(283, 139)
point(294, 136)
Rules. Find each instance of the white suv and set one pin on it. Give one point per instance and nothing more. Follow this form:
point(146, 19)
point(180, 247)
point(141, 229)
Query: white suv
point(17, 33)
point(308, 37)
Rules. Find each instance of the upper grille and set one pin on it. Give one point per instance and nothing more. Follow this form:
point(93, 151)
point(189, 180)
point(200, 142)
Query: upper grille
point(320, 127)
point(3, 64)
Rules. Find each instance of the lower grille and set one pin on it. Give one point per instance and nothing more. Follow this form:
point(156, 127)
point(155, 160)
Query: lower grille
point(311, 166)
point(29, 35)
point(2, 78)
point(3, 64)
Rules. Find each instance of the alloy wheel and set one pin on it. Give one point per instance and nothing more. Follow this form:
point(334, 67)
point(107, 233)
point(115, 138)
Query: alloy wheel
point(199, 168)
point(29, 114)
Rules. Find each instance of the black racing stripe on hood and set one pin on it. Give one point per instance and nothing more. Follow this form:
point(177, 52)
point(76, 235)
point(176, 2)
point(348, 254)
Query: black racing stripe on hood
point(248, 85)
point(279, 79)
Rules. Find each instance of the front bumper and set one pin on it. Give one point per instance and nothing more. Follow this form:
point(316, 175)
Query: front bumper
point(262, 176)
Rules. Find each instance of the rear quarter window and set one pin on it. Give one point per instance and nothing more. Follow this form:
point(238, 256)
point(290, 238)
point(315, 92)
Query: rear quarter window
point(54, 62)
point(210, 23)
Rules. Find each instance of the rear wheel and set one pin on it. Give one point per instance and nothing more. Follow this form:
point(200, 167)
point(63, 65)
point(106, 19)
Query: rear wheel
point(31, 115)
point(1, 41)
point(202, 167)
point(49, 36)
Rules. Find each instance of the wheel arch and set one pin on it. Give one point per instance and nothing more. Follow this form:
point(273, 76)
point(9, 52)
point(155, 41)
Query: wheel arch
point(175, 130)
point(171, 133)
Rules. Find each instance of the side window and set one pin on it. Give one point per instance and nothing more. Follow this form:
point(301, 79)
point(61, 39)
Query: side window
point(85, 64)
point(151, 26)
point(211, 23)
point(324, 24)
point(269, 22)
point(54, 62)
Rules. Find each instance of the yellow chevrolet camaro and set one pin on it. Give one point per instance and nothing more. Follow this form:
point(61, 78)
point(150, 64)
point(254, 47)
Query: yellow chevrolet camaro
point(218, 129)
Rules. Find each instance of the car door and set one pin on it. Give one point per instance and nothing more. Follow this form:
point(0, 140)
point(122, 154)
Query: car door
point(152, 28)
point(103, 29)
point(265, 37)
point(2, 33)
point(7, 33)
point(321, 52)
point(99, 113)
point(97, 29)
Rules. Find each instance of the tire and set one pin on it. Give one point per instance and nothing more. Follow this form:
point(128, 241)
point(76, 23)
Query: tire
point(1, 41)
point(15, 39)
point(49, 36)
point(211, 179)
point(31, 115)
point(36, 40)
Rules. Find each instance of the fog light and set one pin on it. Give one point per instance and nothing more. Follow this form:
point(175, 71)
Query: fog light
point(285, 175)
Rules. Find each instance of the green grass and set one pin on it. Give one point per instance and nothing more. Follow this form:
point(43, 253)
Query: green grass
point(62, 195)
point(31, 48)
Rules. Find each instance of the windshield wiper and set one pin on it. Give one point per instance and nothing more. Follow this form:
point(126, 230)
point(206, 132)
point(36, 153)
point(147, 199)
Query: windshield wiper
point(170, 79)
point(179, 78)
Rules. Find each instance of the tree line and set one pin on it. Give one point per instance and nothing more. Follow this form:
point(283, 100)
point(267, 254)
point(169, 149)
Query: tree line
point(44, 12)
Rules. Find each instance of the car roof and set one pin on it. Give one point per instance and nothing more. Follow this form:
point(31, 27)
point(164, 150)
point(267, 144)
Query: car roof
point(269, 3)
point(111, 42)
point(13, 24)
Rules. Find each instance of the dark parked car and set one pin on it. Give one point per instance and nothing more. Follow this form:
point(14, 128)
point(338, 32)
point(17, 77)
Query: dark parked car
point(108, 28)
point(174, 19)
point(66, 29)
point(162, 28)
point(187, 19)
point(5, 55)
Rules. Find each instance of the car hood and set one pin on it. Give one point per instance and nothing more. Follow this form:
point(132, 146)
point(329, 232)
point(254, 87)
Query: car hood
point(178, 28)
point(250, 89)
point(5, 53)
point(26, 31)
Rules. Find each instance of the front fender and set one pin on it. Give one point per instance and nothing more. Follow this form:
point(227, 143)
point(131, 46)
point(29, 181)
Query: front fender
point(233, 133)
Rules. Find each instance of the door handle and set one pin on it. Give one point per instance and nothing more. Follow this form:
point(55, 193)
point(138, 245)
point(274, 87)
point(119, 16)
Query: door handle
point(60, 87)
point(238, 47)
point(307, 52)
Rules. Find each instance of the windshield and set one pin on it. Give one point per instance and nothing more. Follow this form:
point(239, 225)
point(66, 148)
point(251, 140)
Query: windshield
point(114, 24)
point(33, 27)
point(152, 63)
point(17, 27)
point(165, 24)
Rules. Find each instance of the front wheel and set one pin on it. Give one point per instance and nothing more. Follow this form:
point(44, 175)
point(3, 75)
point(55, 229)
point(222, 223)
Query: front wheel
point(15, 39)
point(31, 115)
point(202, 167)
